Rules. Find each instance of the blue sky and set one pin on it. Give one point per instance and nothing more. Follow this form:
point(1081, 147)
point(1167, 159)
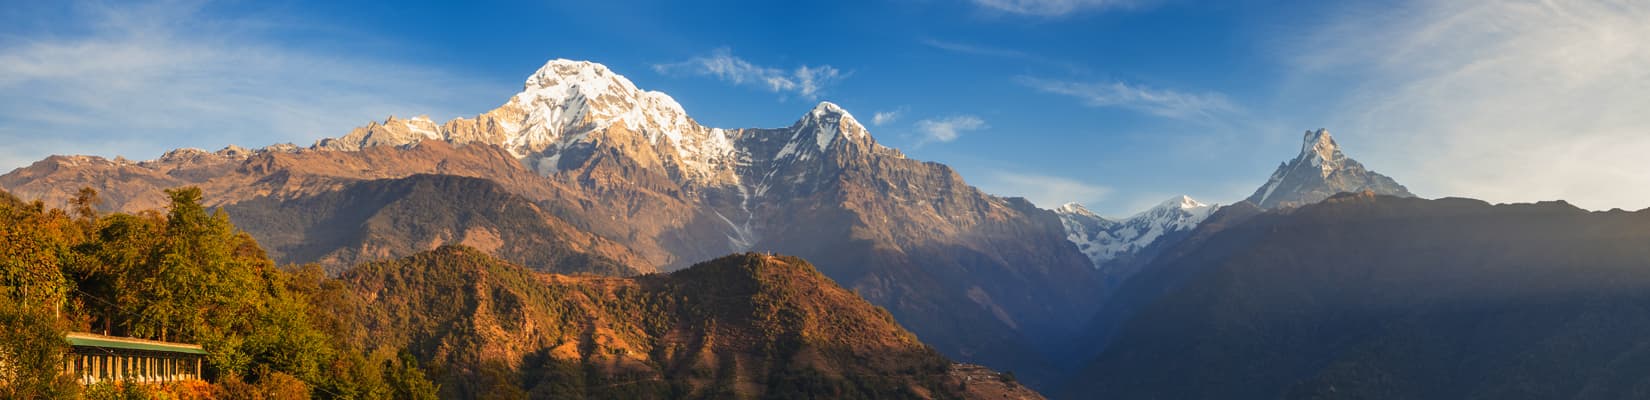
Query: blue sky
point(1117, 104)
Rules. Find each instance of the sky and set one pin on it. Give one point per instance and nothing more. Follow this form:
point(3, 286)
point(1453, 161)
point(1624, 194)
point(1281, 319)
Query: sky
point(1117, 104)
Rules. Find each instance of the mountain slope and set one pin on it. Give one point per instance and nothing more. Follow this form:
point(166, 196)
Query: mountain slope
point(1320, 171)
point(1369, 296)
point(381, 219)
point(742, 326)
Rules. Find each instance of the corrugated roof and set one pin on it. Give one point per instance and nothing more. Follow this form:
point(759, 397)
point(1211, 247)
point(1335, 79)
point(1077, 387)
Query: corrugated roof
point(113, 342)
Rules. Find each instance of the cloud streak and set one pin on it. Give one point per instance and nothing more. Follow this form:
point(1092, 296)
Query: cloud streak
point(139, 78)
point(1160, 102)
point(1052, 8)
point(947, 129)
point(1002, 53)
point(803, 81)
point(1505, 101)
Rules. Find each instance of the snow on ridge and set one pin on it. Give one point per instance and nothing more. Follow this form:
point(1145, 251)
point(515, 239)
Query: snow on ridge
point(1103, 240)
point(565, 102)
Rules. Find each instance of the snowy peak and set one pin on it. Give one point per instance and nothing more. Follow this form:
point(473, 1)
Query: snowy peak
point(1105, 240)
point(586, 76)
point(1076, 209)
point(1318, 149)
point(827, 121)
point(1181, 202)
point(572, 84)
point(1175, 214)
point(1321, 170)
point(565, 98)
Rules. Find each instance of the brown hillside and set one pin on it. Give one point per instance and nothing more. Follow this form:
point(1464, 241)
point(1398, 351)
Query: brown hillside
point(741, 326)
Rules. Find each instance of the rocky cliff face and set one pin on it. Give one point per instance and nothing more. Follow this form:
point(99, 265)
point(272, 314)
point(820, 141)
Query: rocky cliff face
point(1320, 171)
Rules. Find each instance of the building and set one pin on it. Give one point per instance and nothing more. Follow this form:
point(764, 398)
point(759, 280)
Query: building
point(98, 358)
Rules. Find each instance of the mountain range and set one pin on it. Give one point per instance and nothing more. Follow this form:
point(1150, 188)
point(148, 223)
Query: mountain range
point(1119, 248)
point(583, 165)
point(1374, 296)
point(586, 175)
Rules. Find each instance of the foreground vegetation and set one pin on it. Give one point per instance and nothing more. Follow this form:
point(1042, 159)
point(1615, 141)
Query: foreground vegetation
point(183, 275)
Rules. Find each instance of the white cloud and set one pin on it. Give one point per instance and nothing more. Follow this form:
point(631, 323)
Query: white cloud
point(884, 117)
point(1053, 8)
point(949, 128)
point(151, 77)
point(1504, 101)
point(1161, 102)
point(805, 81)
point(1043, 190)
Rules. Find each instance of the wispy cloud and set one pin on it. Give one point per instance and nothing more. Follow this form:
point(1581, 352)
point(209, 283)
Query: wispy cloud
point(975, 49)
point(1054, 8)
point(1505, 100)
point(1045, 191)
point(154, 76)
point(804, 81)
point(1160, 102)
point(886, 117)
point(948, 128)
point(998, 52)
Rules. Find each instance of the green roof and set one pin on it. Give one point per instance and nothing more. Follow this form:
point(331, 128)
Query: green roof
point(112, 342)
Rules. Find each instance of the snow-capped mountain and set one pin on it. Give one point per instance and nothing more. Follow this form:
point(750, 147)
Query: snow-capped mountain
point(567, 107)
point(1113, 245)
point(625, 174)
point(1320, 171)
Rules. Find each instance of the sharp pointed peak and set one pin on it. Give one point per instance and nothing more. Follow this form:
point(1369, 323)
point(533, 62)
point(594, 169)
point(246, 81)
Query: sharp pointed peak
point(1319, 143)
point(828, 119)
point(1317, 135)
point(828, 109)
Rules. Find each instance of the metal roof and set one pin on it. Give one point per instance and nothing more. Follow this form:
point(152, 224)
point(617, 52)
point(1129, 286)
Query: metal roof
point(113, 342)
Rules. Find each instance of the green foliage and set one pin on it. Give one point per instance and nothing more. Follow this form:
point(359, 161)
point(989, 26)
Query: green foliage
point(406, 380)
point(33, 245)
point(185, 275)
point(274, 385)
point(31, 349)
point(110, 391)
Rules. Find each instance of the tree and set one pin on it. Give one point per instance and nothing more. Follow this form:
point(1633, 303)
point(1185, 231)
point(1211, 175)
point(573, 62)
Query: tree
point(31, 350)
point(32, 241)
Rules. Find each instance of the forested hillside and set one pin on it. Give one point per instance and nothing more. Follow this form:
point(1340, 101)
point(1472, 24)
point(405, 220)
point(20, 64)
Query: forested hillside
point(184, 274)
point(743, 326)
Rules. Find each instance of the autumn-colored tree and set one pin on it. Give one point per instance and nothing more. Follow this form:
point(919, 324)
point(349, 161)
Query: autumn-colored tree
point(31, 348)
point(32, 241)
